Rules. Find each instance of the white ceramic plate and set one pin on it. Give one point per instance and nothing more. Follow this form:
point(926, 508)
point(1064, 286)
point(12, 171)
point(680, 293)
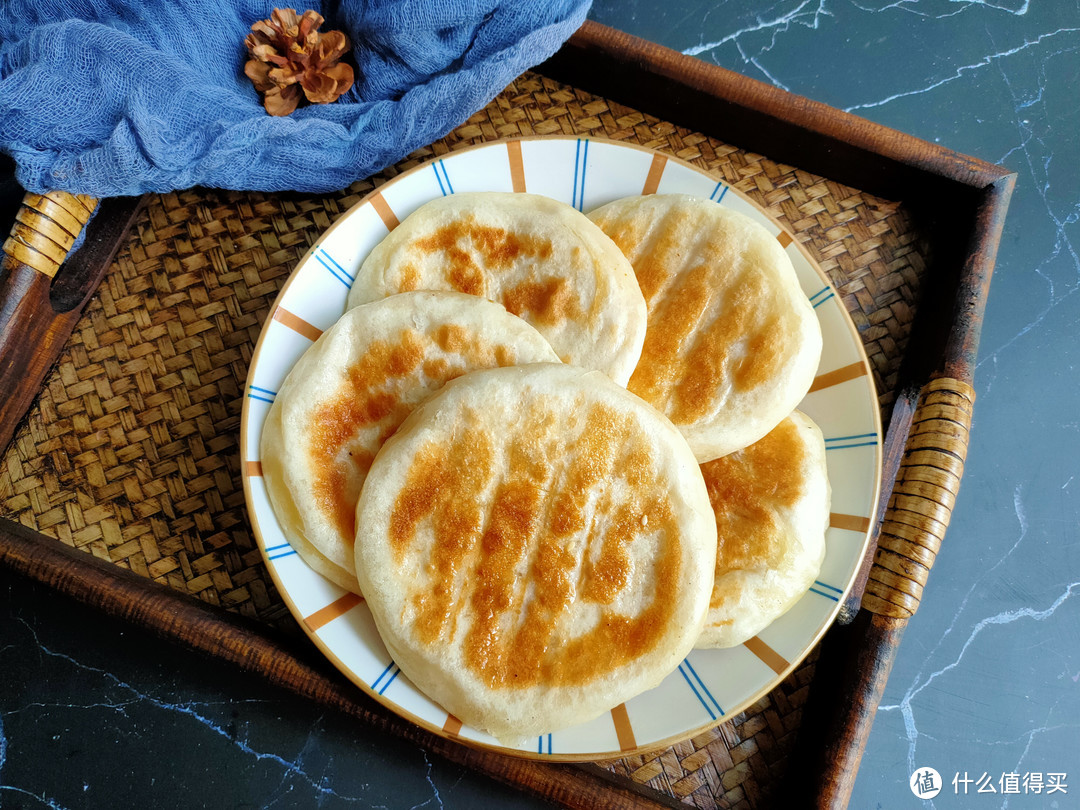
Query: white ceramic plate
point(708, 686)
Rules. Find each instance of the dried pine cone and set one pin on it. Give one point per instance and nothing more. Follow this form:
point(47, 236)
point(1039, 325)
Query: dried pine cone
point(290, 56)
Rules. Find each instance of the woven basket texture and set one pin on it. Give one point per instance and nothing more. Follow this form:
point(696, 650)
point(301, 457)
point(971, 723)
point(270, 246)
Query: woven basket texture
point(131, 451)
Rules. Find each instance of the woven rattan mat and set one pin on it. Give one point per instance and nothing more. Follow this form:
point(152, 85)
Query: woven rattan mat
point(131, 451)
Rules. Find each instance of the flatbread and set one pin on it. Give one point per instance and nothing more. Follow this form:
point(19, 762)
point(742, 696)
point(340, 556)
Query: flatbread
point(541, 259)
point(771, 502)
point(733, 343)
point(536, 547)
point(350, 391)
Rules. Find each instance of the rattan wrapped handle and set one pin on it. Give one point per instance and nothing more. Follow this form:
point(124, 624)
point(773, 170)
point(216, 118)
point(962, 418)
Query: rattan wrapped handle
point(43, 290)
point(45, 229)
point(43, 233)
point(922, 499)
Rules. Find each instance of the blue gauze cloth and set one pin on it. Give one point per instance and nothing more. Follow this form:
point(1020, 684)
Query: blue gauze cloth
point(107, 98)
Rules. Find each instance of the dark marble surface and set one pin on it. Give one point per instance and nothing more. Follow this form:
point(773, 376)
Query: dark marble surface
point(987, 681)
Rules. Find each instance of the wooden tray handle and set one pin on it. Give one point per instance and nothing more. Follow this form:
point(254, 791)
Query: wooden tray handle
point(43, 292)
point(915, 521)
point(43, 232)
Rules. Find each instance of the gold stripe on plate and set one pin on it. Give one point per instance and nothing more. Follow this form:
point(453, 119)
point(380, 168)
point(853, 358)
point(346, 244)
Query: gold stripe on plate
point(339, 607)
point(297, 324)
point(853, 523)
point(784, 238)
point(517, 165)
point(452, 726)
point(623, 730)
point(837, 376)
point(253, 469)
point(384, 211)
point(770, 657)
point(656, 171)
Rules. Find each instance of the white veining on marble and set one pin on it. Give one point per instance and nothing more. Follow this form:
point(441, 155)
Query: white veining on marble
point(435, 797)
point(42, 799)
point(756, 63)
point(777, 25)
point(960, 71)
point(194, 710)
point(1039, 171)
point(1041, 316)
point(1020, 11)
point(920, 683)
point(809, 15)
point(911, 6)
point(1030, 736)
point(1003, 618)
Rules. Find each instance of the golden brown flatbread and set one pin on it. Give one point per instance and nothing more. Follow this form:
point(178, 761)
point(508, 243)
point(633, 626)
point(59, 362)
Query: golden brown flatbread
point(536, 546)
point(541, 259)
point(350, 391)
point(771, 502)
point(732, 344)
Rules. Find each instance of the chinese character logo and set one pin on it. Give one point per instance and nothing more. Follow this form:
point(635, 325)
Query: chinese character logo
point(925, 783)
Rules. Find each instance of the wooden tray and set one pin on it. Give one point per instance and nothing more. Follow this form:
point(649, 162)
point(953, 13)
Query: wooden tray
point(121, 486)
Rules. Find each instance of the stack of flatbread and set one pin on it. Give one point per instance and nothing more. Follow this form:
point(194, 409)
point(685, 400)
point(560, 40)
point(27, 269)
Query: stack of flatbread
point(555, 452)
